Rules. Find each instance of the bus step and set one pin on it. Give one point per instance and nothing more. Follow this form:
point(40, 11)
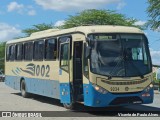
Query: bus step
point(80, 102)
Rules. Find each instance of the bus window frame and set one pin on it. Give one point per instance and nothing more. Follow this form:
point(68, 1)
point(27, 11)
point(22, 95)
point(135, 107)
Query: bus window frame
point(24, 50)
point(8, 47)
point(22, 56)
point(85, 60)
point(50, 38)
point(12, 45)
point(38, 40)
point(58, 45)
point(60, 58)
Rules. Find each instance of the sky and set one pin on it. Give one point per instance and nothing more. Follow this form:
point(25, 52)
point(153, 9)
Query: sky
point(16, 15)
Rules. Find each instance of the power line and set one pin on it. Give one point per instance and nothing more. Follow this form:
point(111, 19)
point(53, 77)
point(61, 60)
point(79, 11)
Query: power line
point(154, 41)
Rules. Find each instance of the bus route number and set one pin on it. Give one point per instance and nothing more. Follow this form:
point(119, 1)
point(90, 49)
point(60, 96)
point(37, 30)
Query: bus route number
point(114, 88)
point(42, 70)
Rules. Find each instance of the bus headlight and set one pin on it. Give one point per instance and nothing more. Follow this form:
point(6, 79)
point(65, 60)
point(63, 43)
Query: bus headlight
point(149, 87)
point(99, 89)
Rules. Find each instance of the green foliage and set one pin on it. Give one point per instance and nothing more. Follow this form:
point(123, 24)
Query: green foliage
point(154, 13)
point(37, 28)
point(88, 17)
point(99, 17)
point(154, 78)
point(2, 56)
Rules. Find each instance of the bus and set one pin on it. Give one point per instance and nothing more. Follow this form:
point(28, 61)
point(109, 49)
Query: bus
point(98, 66)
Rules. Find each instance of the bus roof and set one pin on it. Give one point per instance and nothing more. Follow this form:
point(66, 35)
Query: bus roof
point(83, 29)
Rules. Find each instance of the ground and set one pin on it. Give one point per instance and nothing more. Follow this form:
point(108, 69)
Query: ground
point(11, 100)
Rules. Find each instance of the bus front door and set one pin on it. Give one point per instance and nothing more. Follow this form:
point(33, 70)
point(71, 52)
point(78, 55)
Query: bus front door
point(64, 73)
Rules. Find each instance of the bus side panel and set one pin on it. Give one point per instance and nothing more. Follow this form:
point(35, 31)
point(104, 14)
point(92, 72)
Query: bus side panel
point(41, 77)
point(13, 82)
point(49, 88)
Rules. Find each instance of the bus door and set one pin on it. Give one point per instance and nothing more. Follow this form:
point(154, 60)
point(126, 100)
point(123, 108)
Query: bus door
point(64, 73)
point(77, 71)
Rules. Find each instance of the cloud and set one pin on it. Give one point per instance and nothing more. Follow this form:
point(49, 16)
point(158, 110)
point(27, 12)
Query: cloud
point(32, 12)
point(63, 5)
point(21, 8)
point(140, 22)
point(121, 5)
point(8, 32)
point(14, 6)
point(157, 30)
point(155, 56)
point(59, 23)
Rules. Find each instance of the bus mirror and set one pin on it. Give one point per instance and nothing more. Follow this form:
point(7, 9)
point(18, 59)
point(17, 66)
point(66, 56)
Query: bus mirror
point(158, 74)
point(88, 51)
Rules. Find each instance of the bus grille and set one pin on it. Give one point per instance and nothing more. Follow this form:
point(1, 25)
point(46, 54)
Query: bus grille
point(126, 100)
point(123, 82)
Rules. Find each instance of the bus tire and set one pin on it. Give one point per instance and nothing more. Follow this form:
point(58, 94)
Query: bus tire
point(23, 89)
point(70, 106)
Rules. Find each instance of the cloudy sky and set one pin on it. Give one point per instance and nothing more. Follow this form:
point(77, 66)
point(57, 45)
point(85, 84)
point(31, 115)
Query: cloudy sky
point(16, 15)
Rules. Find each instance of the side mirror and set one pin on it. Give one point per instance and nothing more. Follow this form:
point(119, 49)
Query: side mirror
point(88, 51)
point(158, 74)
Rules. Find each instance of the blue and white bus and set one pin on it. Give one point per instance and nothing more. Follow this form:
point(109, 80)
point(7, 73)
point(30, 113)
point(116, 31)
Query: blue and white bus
point(98, 66)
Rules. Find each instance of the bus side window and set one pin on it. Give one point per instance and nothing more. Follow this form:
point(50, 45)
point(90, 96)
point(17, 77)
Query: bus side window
point(28, 51)
point(39, 50)
point(8, 53)
point(64, 57)
point(62, 40)
point(85, 62)
point(12, 56)
point(51, 49)
point(19, 51)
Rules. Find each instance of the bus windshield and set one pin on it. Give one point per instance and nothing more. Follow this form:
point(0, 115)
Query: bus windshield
point(124, 55)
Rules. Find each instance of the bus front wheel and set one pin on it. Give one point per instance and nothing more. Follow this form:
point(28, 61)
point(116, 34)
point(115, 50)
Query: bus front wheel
point(23, 89)
point(69, 105)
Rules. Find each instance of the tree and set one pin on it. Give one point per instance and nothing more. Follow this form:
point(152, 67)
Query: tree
point(88, 17)
point(2, 56)
point(99, 17)
point(154, 13)
point(36, 28)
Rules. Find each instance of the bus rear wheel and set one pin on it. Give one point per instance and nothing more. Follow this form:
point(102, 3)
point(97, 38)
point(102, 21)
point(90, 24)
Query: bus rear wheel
point(23, 89)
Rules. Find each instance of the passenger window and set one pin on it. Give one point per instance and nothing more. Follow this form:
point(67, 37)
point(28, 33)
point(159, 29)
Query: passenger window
point(12, 56)
point(28, 50)
point(65, 39)
point(8, 53)
point(39, 50)
point(85, 63)
point(19, 51)
point(64, 57)
point(50, 49)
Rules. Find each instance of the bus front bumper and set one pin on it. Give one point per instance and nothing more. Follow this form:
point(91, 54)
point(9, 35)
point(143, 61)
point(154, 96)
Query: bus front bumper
point(94, 98)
